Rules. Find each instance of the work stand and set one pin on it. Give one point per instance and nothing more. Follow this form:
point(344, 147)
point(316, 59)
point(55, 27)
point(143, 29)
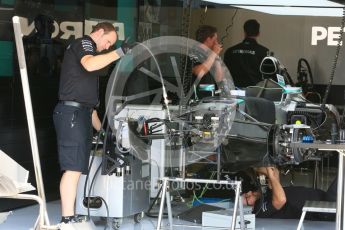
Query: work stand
point(328, 207)
point(316, 206)
point(166, 196)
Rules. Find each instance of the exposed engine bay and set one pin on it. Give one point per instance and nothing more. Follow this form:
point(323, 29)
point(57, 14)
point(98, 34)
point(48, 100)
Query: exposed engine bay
point(162, 131)
point(246, 131)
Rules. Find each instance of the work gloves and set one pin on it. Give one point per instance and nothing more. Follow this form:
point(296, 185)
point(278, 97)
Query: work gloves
point(125, 47)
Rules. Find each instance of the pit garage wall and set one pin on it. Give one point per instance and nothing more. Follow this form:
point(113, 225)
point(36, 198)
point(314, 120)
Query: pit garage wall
point(14, 136)
point(289, 37)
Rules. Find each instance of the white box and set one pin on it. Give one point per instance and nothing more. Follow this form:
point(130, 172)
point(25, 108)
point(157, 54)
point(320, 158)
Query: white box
point(13, 177)
point(223, 219)
point(157, 149)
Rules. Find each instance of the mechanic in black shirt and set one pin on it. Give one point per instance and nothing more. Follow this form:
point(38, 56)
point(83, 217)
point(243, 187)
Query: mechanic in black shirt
point(75, 114)
point(286, 202)
point(243, 60)
point(206, 61)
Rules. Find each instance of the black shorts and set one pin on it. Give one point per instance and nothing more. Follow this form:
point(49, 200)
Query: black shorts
point(74, 137)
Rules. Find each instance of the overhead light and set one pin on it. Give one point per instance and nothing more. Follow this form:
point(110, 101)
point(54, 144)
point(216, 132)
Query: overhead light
point(288, 7)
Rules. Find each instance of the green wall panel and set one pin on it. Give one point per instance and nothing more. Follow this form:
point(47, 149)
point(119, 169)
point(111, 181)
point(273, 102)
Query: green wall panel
point(127, 13)
point(7, 2)
point(6, 58)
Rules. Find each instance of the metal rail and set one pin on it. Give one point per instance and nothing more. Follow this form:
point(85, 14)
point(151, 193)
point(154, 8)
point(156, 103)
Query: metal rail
point(340, 148)
point(166, 196)
point(29, 114)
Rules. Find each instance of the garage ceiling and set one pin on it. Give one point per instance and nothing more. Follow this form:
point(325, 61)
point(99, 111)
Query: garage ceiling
point(288, 7)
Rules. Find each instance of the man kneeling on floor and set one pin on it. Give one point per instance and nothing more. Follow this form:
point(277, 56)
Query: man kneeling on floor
point(280, 202)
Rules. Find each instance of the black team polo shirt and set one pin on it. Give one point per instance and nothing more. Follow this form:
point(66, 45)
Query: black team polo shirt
point(76, 83)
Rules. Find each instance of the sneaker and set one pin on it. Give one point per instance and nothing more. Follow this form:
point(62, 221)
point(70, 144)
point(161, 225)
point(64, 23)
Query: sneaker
point(66, 226)
point(85, 225)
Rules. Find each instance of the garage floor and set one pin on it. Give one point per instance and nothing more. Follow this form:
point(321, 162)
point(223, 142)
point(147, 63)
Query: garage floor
point(24, 218)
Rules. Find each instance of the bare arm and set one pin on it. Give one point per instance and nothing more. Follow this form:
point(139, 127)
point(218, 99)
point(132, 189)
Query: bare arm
point(203, 68)
point(219, 71)
point(97, 62)
point(96, 123)
point(278, 194)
